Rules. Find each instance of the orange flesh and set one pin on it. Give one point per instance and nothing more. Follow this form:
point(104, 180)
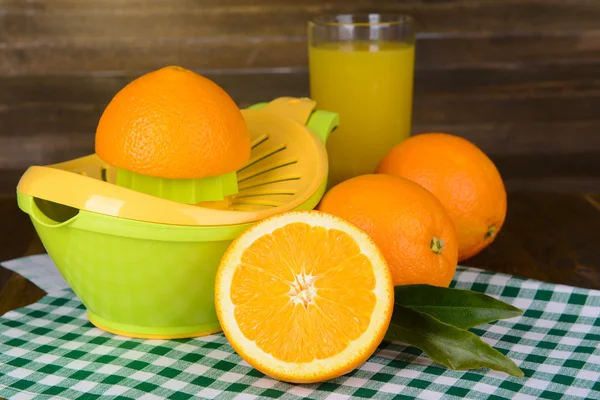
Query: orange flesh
point(303, 293)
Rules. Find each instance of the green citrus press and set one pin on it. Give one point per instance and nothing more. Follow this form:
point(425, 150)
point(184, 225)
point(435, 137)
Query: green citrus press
point(144, 265)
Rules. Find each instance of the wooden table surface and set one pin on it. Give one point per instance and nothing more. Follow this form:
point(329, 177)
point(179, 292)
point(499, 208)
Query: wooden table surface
point(549, 237)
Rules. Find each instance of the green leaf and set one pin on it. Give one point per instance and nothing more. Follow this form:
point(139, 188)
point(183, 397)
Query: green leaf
point(458, 307)
point(445, 344)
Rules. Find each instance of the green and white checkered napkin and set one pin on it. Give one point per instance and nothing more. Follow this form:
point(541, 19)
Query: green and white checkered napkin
point(50, 350)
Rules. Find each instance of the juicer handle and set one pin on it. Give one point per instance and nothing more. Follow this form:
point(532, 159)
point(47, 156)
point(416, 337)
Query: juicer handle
point(47, 213)
point(320, 122)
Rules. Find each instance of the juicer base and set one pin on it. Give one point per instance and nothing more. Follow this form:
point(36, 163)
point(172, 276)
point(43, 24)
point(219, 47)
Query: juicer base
point(156, 333)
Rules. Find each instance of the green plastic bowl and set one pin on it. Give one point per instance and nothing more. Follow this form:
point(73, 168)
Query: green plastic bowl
point(137, 279)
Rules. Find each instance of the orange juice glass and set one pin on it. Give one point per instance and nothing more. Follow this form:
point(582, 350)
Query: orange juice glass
point(362, 67)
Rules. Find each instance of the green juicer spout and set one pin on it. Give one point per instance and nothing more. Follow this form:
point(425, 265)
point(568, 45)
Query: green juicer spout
point(189, 191)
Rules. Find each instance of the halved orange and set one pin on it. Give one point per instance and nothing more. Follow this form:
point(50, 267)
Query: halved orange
point(304, 296)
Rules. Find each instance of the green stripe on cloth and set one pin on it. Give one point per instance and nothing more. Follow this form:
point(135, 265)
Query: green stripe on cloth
point(50, 350)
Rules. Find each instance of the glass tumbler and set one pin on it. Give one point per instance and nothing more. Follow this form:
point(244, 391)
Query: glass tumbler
point(361, 66)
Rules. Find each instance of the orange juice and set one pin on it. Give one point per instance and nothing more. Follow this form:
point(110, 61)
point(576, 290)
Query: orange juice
point(370, 86)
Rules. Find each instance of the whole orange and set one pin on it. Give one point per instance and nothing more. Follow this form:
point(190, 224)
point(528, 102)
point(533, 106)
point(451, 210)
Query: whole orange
point(462, 177)
point(173, 123)
point(408, 224)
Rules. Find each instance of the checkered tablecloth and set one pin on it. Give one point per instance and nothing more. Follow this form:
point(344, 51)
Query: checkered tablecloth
point(50, 350)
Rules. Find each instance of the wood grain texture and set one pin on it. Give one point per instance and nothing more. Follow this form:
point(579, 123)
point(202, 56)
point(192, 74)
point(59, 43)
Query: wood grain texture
point(16, 231)
point(594, 200)
point(529, 110)
point(552, 237)
point(17, 239)
point(520, 78)
point(184, 18)
point(79, 56)
point(247, 85)
point(65, 37)
point(16, 291)
point(9, 178)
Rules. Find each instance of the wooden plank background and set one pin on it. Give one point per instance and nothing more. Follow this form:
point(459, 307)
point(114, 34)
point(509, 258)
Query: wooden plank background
point(520, 78)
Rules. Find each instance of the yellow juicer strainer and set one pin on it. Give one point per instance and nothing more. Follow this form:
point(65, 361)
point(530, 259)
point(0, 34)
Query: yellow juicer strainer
point(144, 266)
point(288, 165)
